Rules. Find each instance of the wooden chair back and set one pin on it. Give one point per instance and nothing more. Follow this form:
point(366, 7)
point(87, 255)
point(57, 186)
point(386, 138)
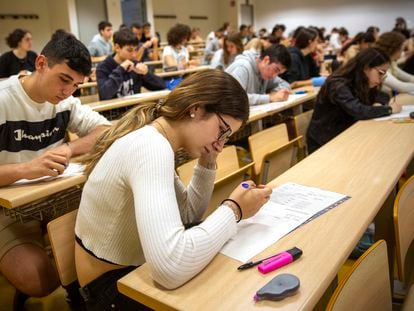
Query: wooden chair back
point(227, 162)
point(278, 161)
point(61, 233)
point(268, 140)
point(301, 124)
point(366, 286)
point(404, 230)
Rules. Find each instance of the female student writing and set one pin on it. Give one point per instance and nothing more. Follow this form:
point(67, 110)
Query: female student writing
point(350, 94)
point(134, 208)
point(232, 46)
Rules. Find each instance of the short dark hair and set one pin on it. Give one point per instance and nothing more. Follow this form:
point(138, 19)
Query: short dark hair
point(124, 37)
point(64, 47)
point(136, 25)
point(178, 33)
point(146, 25)
point(277, 53)
point(304, 36)
point(102, 25)
point(15, 37)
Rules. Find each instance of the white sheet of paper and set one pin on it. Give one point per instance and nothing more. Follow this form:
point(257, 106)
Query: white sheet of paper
point(73, 169)
point(276, 105)
point(404, 114)
point(289, 206)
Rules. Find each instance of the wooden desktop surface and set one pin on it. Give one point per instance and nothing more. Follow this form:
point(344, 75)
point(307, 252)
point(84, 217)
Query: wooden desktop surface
point(182, 72)
point(364, 162)
point(19, 195)
point(109, 104)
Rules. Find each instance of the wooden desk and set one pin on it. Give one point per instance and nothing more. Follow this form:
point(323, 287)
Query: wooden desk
point(109, 104)
point(364, 162)
point(182, 72)
point(33, 201)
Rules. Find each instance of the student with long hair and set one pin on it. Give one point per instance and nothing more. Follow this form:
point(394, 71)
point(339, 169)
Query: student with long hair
point(350, 94)
point(232, 46)
point(392, 44)
point(20, 59)
point(361, 41)
point(135, 209)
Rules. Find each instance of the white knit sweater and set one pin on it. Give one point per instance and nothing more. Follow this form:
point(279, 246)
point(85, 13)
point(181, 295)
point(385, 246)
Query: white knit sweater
point(134, 206)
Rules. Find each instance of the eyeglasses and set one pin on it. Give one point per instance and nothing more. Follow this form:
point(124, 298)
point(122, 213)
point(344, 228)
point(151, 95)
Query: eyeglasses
point(225, 132)
point(382, 73)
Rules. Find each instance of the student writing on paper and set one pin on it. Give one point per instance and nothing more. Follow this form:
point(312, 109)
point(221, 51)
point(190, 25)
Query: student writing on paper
point(258, 74)
point(134, 207)
point(119, 75)
point(35, 112)
point(350, 94)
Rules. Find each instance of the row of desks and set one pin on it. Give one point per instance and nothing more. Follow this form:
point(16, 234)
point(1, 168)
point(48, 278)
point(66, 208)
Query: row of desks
point(17, 196)
point(364, 162)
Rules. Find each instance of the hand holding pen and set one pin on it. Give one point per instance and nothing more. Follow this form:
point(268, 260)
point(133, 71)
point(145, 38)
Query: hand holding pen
point(393, 103)
point(250, 197)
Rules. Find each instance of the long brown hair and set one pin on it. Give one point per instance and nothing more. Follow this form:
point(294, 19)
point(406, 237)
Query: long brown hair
point(213, 89)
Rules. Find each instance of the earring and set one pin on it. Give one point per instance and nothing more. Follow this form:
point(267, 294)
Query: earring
point(192, 115)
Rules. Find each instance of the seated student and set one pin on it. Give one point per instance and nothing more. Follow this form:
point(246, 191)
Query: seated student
point(258, 74)
point(101, 43)
point(118, 75)
point(259, 44)
point(151, 41)
point(350, 94)
point(20, 59)
point(175, 54)
point(303, 66)
point(397, 80)
point(360, 42)
point(233, 46)
point(141, 211)
point(35, 112)
point(213, 43)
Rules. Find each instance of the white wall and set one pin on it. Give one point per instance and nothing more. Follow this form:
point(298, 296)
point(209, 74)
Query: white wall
point(183, 9)
point(355, 15)
point(40, 28)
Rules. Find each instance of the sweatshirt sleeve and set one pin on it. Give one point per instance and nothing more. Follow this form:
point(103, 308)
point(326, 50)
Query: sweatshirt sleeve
point(241, 74)
point(108, 81)
point(153, 82)
point(395, 84)
point(174, 254)
point(344, 98)
point(194, 200)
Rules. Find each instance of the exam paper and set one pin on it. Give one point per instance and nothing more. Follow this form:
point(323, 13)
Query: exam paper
point(276, 105)
point(404, 114)
point(290, 206)
point(73, 169)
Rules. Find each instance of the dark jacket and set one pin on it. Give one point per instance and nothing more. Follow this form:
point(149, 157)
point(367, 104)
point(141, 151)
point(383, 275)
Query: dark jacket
point(337, 108)
point(302, 68)
point(11, 65)
point(114, 81)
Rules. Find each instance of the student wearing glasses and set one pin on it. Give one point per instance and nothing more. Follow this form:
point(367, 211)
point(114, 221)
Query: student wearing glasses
point(350, 94)
point(258, 74)
point(135, 209)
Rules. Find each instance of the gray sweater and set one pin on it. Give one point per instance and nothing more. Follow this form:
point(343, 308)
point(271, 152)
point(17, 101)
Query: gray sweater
point(245, 70)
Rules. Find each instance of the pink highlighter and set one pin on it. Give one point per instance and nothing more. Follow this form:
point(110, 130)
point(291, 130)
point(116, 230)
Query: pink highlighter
point(279, 260)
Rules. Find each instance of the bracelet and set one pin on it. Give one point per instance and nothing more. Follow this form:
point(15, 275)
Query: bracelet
point(238, 206)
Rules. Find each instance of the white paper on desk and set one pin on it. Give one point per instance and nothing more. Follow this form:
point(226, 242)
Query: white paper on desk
point(276, 105)
point(404, 114)
point(73, 169)
point(290, 206)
